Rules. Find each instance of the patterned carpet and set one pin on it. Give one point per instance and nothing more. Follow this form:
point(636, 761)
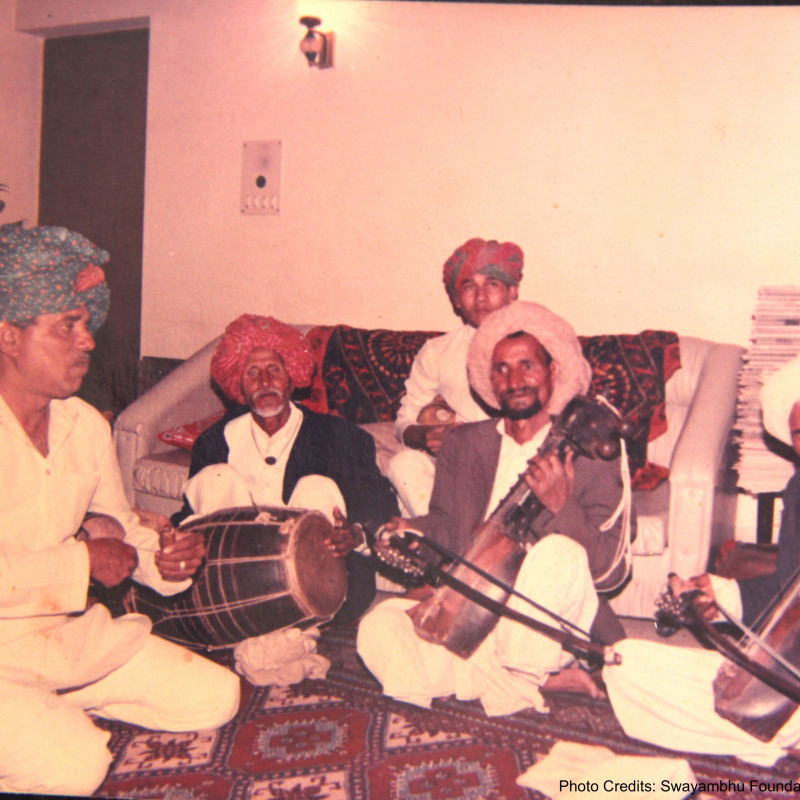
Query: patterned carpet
point(340, 739)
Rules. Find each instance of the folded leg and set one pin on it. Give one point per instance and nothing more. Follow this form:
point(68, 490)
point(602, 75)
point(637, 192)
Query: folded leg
point(663, 694)
point(47, 745)
point(164, 687)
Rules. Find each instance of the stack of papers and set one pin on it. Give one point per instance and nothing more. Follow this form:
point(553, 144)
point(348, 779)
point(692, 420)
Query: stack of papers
point(775, 340)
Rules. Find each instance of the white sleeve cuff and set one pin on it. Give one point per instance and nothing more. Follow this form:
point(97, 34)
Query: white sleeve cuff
point(726, 591)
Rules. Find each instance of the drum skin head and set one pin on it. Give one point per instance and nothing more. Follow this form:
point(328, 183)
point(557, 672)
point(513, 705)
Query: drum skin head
point(317, 578)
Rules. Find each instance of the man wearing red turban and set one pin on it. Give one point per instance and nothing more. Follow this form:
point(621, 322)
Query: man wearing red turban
point(271, 452)
point(479, 277)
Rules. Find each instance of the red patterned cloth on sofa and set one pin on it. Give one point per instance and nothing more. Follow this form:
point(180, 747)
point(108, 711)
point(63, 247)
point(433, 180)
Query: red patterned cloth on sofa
point(361, 375)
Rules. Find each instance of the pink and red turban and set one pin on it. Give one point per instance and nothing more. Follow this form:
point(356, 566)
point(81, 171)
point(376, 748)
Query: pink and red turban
point(251, 332)
point(573, 374)
point(49, 270)
point(478, 257)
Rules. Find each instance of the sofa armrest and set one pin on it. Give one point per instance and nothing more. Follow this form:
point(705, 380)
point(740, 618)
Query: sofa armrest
point(185, 395)
point(696, 465)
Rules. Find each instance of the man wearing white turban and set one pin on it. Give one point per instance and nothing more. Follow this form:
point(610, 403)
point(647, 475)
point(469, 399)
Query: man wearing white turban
point(526, 362)
point(662, 693)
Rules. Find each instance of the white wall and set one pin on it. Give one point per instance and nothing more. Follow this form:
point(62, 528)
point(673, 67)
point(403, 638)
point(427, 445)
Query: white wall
point(20, 118)
point(647, 160)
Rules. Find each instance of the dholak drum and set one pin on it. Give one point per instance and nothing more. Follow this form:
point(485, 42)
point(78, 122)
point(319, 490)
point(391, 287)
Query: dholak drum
point(267, 569)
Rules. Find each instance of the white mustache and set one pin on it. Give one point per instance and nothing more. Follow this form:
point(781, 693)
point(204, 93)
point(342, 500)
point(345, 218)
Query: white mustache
point(266, 393)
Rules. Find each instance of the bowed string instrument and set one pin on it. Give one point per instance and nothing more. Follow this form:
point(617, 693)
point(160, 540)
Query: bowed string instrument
point(758, 687)
point(472, 590)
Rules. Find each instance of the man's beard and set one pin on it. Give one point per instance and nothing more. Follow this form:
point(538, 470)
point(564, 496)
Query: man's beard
point(515, 414)
point(268, 411)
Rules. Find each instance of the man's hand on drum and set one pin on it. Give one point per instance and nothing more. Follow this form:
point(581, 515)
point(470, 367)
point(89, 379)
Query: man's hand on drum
point(181, 554)
point(111, 560)
point(550, 480)
point(344, 536)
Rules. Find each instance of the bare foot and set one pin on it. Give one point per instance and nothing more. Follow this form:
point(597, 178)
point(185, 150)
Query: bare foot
point(575, 680)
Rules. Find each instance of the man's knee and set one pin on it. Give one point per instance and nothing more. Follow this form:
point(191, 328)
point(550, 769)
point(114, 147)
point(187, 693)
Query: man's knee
point(215, 487)
point(386, 616)
point(411, 472)
point(228, 692)
point(561, 553)
point(213, 702)
point(75, 778)
point(319, 493)
point(58, 750)
point(172, 689)
point(80, 776)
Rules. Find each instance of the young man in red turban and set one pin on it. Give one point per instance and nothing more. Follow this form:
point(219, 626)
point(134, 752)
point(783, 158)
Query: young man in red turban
point(479, 277)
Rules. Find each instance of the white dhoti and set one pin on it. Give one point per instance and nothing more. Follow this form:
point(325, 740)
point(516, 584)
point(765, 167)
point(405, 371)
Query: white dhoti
point(506, 671)
point(49, 746)
point(663, 694)
point(221, 486)
point(411, 473)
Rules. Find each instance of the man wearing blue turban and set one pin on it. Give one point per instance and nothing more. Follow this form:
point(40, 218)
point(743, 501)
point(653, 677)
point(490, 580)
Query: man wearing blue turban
point(58, 659)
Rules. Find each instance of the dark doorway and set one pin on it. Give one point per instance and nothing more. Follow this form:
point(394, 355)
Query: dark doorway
point(94, 113)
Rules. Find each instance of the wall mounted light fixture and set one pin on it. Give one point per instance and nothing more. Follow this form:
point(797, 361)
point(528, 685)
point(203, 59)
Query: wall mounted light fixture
point(316, 46)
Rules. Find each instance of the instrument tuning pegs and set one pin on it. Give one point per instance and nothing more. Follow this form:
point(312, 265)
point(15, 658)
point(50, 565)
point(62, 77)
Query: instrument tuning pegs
point(627, 428)
point(608, 450)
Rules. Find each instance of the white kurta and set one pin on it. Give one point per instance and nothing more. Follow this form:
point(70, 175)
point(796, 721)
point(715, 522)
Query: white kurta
point(440, 367)
point(246, 478)
point(44, 577)
point(512, 663)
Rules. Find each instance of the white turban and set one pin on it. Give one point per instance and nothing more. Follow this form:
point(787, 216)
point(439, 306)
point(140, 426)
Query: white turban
point(778, 395)
point(556, 335)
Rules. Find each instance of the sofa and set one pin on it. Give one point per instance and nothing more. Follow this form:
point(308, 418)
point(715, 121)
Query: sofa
point(678, 521)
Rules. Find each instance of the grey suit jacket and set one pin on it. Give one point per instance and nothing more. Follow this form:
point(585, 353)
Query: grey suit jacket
point(465, 472)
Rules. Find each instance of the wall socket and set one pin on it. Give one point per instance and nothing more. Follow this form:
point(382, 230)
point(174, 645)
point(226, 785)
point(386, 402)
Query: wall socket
point(261, 177)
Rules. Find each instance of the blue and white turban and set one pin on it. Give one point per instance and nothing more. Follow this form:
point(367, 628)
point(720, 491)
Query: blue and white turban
point(49, 270)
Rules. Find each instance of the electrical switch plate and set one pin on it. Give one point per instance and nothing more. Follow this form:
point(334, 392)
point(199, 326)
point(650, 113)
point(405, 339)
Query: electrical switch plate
point(261, 177)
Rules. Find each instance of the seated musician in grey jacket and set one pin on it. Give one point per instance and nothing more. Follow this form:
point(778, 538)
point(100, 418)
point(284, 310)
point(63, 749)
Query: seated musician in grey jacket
point(527, 363)
point(662, 693)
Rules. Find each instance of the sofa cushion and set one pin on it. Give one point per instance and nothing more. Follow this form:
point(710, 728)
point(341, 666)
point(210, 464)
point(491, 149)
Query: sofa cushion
point(185, 435)
point(652, 516)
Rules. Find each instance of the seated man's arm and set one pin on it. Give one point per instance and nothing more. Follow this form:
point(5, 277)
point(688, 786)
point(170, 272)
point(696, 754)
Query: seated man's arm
point(36, 583)
point(595, 495)
point(422, 386)
point(109, 498)
point(757, 592)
